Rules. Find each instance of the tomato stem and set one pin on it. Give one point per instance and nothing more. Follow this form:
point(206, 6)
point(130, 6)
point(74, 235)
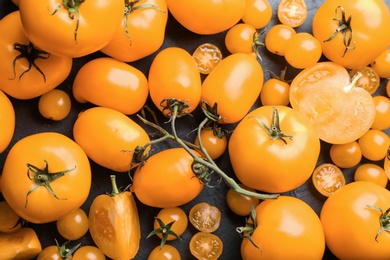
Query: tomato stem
point(250, 227)
point(347, 88)
point(257, 43)
point(384, 220)
point(115, 190)
point(165, 230)
point(66, 253)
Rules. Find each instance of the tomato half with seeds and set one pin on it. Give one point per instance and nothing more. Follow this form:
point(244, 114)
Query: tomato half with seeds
point(22, 244)
point(369, 79)
point(292, 12)
point(205, 217)
point(7, 120)
point(27, 71)
point(207, 56)
point(328, 178)
point(53, 176)
point(205, 245)
point(71, 28)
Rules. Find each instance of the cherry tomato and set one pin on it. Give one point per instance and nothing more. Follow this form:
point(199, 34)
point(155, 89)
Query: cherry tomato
point(328, 178)
point(374, 144)
point(9, 220)
point(275, 91)
point(55, 105)
point(58, 178)
point(346, 155)
point(57, 252)
point(382, 64)
point(348, 31)
point(207, 16)
point(114, 223)
point(258, 13)
point(239, 203)
point(235, 82)
point(116, 85)
point(277, 38)
point(141, 32)
point(357, 209)
point(74, 225)
point(339, 112)
point(207, 56)
point(371, 172)
point(109, 137)
point(205, 245)
point(369, 79)
point(292, 12)
point(166, 252)
point(174, 74)
point(21, 244)
point(88, 253)
point(166, 179)
point(382, 113)
point(7, 120)
point(213, 141)
point(241, 38)
point(24, 65)
point(77, 28)
point(174, 221)
point(205, 217)
point(284, 140)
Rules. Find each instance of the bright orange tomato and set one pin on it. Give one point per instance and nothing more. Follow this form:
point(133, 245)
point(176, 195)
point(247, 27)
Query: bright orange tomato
point(275, 91)
point(22, 244)
point(369, 79)
point(371, 172)
point(109, 137)
point(292, 12)
point(207, 56)
point(116, 85)
point(236, 82)
point(258, 13)
point(207, 16)
point(214, 142)
point(74, 225)
point(71, 28)
point(141, 32)
point(24, 65)
point(374, 144)
point(277, 38)
point(382, 64)
point(58, 252)
point(167, 216)
point(327, 178)
point(55, 181)
point(166, 252)
point(88, 253)
point(7, 120)
point(54, 104)
point(241, 204)
point(382, 113)
point(346, 155)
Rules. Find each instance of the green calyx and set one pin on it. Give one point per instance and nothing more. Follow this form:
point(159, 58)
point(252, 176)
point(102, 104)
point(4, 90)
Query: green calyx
point(250, 227)
point(257, 43)
point(66, 253)
point(164, 230)
point(384, 220)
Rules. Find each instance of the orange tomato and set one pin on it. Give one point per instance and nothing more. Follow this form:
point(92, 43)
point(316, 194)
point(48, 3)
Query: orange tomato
point(215, 143)
point(74, 225)
point(207, 56)
point(205, 217)
point(277, 38)
point(22, 244)
point(275, 91)
point(382, 113)
point(371, 172)
point(346, 155)
point(169, 224)
point(382, 64)
point(54, 105)
point(240, 38)
point(292, 12)
point(258, 13)
point(327, 178)
point(88, 253)
point(166, 252)
point(7, 120)
point(9, 220)
point(239, 203)
point(205, 245)
point(369, 79)
point(374, 144)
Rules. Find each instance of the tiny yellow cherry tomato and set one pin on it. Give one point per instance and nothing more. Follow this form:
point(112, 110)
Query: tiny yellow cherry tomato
point(327, 179)
point(54, 105)
point(73, 225)
point(346, 155)
point(371, 172)
point(258, 13)
point(374, 144)
point(277, 37)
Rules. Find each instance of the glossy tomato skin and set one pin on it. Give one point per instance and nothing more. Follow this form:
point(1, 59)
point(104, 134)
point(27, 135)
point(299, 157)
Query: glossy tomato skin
point(115, 84)
point(21, 244)
point(7, 120)
point(61, 154)
point(98, 21)
point(287, 228)
point(166, 179)
point(370, 20)
point(88, 253)
point(174, 74)
point(108, 137)
point(146, 32)
point(272, 165)
point(16, 80)
point(207, 16)
point(347, 212)
point(235, 85)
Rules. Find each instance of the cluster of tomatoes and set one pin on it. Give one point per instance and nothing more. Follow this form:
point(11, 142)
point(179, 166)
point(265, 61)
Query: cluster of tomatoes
point(162, 102)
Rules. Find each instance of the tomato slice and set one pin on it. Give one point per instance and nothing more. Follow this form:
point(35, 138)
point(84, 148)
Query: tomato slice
point(204, 245)
point(327, 179)
point(205, 217)
point(292, 12)
point(369, 80)
point(207, 56)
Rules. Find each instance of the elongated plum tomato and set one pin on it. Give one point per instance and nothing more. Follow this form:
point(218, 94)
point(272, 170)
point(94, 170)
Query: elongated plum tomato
point(174, 74)
point(207, 16)
point(109, 137)
point(23, 65)
point(108, 82)
point(273, 149)
point(53, 177)
point(234, 85)
point(7, 121)
point(351, 31)
point(71, 28)
point(141, 32)
point(21, 244)
point(326, 97)
point(166, 179)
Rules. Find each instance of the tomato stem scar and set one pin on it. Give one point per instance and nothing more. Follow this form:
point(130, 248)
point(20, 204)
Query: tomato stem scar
point(384, 220)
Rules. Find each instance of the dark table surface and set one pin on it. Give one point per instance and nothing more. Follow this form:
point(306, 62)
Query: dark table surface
point(29, 121)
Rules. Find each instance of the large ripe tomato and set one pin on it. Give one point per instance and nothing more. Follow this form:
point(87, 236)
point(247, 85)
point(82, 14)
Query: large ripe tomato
point(25, 71)
point(166, 179)
point(52, 174)
point(363, 25)
point(234, 84)
point(109, 137)
point(21, 244)
point(142, 30)
point(71, 28)
point(207, 16)
point(287, 228)
point(358, 211)
point(174, 74)
point(115, 84)
point(7, 121)
point(275, 157)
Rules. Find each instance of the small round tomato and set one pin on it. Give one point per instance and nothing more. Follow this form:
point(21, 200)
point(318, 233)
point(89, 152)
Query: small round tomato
point(88, 253)
point(205, 245)
point(240, 38)
point(275, 91)
point(213, 141)
point(9, 220)
point(302, 50)
point(58, 178)
point(207, 56)
point(277, 38)
point(292, 12)
point(258, 13)
point(374, 144)
point(285, 142)
point(371, 172)
point(359, 209)
point(109, 137)
point(239, 203)
point(73, 225)
point(382, 113)
point(346, 155)
point(57, 252)
point(167, 179)
point(207, 16)
point(7, 120)
point(21, 244)
point(115, 85)
point(382, 64)
point(369, 79)
point(327, 179)
point(166, 252)
point(174, 75)
point(205, 217)
point(235, 82)
point(54, 105)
